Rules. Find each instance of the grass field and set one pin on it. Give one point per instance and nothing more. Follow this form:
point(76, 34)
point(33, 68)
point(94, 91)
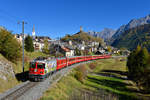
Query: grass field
point(110, 75)
point(63, 89)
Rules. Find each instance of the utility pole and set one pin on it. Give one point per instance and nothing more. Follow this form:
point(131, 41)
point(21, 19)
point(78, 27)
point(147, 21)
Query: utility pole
point(22, 43)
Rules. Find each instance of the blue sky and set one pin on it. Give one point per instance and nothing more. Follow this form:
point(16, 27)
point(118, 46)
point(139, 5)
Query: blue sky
point(55, 18)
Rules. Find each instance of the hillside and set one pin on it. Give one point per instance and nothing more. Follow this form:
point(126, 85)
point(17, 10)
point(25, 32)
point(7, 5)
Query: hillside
point(132, 24)
point(11, 73)
point(131, 38)
point(107, 80)
point(81, 36)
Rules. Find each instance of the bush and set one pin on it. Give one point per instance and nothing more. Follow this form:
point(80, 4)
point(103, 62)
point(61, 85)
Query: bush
point(92, 65)
point(79, 76)
point(9, 46)
point(81, 72)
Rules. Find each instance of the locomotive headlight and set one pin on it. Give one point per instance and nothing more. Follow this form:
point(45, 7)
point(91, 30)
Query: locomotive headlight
point(35, 70)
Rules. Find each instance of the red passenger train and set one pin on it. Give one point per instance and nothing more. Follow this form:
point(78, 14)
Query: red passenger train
point(42, 68)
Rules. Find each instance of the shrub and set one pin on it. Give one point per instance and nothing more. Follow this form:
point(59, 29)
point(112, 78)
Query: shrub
point(92, 65)
point(79, 76)
point(81, 72)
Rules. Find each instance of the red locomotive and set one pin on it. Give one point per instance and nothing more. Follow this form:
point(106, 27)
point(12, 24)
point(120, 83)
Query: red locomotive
point(42, 68)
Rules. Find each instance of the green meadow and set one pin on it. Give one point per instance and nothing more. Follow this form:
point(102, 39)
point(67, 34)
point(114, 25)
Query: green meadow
point(109, 78)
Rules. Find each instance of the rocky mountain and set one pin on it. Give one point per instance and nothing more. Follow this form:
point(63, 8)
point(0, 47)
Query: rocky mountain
point(105, 34)
point(132, 24)
point(136, 36)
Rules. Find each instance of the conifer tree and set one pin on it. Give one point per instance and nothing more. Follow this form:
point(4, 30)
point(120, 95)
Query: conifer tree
point(132, 63)
point(46, 47)
point(138, 49)
point(139, 67)
point(29, 44)
point(77, 52)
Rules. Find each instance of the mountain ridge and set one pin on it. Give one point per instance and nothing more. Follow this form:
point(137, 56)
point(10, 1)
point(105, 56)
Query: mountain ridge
point(132, 24)
point(136, 36)
point(106, 33)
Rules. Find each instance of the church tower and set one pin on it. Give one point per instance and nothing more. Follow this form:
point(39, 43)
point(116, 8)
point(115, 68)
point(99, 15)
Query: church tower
point(81, 29)
point(33, 32)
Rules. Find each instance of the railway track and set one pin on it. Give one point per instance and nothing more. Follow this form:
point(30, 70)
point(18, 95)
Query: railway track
point(20, 91)
point(25, 92)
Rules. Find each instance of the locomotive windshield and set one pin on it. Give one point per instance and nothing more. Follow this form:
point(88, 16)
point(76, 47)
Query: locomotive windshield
point(40, 66)
point(32, 65)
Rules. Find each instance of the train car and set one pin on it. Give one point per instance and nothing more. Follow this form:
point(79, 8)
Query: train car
point(80, 59)
point(71, 60)
point(87, 58)
point(94, 58)
point(40, 69)
point(61, 63)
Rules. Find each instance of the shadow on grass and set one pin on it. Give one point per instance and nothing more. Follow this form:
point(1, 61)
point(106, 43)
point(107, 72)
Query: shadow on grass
point(117, 72)
point(115, 86)
point(22, 76)
point(111, 75)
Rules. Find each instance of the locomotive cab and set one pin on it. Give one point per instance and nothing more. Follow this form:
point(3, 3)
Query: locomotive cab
point(40, 69)
point(37, 70)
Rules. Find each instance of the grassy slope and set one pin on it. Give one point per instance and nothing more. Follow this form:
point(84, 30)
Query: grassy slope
point(109, 75)
point(11, 82)
point(62, 89)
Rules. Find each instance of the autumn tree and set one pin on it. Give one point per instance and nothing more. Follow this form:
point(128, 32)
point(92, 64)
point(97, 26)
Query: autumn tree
point(109, 49)
point(9, 46)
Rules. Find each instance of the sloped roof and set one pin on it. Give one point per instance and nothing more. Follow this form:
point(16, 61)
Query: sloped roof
point(65, 49)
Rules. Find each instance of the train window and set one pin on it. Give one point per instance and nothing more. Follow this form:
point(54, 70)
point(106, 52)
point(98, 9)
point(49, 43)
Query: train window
point(32, 65)
point(72, 59)
point(79, 58)
point(40, 66)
